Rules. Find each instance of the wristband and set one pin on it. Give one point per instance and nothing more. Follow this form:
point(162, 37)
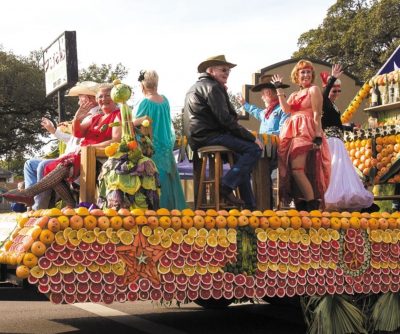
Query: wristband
point(317, 141)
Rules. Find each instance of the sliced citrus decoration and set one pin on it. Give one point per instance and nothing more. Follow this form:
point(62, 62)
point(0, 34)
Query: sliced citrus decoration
point(177, 237)
point(79, 268)
point(295, 236)
point(282, 268)
point(154, 239)
point(97, 231)
point(201, 270)
point(166, 241)
point(115, 238)
point(147, 231)
point(232, 238)
point(316, 239)
point(386, 237)
point(163, 270)
point(262, 266)
point(102, 238)
point(376, 235)
point(223, 241)
point(192, 231)
point(200, 241)
point(80, 233)
point(212, 241)
point(134, 230)
point(66, 232)
point(53, 270)
point(305, 239)
point(65, 269)
point(59, 238)
point(118, 268)
point(126, 238)
point(272, 235)
point(158, 231)
point(202, 232)
point(105, 268)
point(284, 236)
point(189, 270)
point(188, 239)
point(37, 272)
point(334, 234)
point(262, 236)
point(175, 270)
point(109, 232)
point(212, 269)
point(89, 237)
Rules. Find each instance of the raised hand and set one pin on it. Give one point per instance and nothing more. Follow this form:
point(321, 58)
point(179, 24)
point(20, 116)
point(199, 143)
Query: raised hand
point(337, 70)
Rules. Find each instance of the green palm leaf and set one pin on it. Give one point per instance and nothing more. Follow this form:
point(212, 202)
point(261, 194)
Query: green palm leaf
point(386, 312)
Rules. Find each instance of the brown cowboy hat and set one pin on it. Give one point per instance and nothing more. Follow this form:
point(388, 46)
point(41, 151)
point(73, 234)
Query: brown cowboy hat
point(265, 82)
point(214, 61)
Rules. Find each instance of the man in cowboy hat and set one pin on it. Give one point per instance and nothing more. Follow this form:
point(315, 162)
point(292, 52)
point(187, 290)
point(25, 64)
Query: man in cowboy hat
point(34, 167)
point(214, 121)
point(271, 118)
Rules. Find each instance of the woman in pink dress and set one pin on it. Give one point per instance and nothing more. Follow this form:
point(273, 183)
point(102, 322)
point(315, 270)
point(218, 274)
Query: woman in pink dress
point(303, 153)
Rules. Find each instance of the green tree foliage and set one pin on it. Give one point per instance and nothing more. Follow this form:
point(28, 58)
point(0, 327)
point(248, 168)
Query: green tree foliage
point(22, 103)
point(359, 34)
point(103, 73)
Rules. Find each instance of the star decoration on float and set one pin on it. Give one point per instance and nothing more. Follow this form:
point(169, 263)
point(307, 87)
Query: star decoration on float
point(138, 258)
point(142, 258)
point(373, 132)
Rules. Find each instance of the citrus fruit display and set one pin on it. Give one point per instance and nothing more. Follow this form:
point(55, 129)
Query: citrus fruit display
point(275, 255)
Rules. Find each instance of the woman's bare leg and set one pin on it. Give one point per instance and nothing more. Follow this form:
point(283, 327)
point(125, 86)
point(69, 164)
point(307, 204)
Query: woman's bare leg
point(302, 181)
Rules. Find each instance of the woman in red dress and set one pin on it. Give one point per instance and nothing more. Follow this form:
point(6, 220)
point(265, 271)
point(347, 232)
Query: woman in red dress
point(304, 158)
point(94, 131)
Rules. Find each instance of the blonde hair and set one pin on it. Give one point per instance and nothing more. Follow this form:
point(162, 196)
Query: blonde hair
point(299, 66)
point(150, 80)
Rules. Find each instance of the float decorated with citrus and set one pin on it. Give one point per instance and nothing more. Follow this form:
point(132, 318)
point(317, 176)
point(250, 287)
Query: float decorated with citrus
point(77, 255)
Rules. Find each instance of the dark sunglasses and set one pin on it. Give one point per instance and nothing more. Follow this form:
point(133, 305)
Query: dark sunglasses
point(337, 91)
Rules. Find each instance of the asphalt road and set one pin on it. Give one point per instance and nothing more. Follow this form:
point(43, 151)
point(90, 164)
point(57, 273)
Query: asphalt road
point(26, 311)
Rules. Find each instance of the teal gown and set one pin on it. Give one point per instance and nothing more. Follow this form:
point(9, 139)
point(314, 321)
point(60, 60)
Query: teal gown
point(172, 196)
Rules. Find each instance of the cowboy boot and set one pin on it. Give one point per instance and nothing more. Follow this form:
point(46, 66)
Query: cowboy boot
point(50, 181)
point(65, 193)
point(301, 205)
point(313, 205)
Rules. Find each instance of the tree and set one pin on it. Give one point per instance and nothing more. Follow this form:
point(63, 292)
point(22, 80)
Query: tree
point(103, 73)
point(359, 34)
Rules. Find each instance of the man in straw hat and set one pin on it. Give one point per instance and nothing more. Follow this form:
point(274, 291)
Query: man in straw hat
point(271, 118)
point(34, 167)
point(214, 121)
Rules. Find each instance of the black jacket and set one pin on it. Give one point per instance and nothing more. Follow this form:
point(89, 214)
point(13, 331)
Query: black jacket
point(330, 113)
point(210, 113)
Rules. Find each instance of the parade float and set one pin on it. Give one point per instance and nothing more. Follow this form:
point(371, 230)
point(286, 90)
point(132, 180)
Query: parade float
point(343, 267)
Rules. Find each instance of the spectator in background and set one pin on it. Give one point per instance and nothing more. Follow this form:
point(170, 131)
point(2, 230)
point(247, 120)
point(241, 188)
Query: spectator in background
point(214, 121)
point(304, 158)
point(345, 191)
point(157, 107)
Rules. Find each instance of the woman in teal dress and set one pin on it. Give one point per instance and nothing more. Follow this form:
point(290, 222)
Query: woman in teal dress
point(157, 107)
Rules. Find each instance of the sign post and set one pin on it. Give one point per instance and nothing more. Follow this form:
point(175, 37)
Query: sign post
point(60, 63)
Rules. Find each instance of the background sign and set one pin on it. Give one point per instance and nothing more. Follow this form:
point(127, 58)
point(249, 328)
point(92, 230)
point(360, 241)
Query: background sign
point(60, 63)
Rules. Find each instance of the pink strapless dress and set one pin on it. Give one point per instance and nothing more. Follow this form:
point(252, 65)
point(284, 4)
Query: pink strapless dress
point(296, 138)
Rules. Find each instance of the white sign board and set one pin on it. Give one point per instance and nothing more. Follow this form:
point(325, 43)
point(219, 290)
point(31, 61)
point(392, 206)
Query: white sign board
point(55, 65)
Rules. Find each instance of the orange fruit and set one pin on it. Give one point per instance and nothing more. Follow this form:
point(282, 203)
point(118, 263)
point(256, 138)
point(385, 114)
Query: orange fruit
point(38, 248)
point(295, 222)
point(373, 223)
point(198, 221)
point(232, 222)
point(22, 271)
point(254, 222)
point(116, 222)
point(30, 260)
point(220, 221)
point(209, 222)
point(187, 221)
point(274, 222)
point(47, 237)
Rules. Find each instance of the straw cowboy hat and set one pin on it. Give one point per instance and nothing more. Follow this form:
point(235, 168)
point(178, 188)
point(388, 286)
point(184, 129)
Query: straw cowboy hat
point(84, 88)
point(214, 61)
point(265, 82)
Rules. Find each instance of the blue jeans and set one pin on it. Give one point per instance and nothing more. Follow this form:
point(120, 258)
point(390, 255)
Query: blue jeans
point(33, 172)
point(246, 156)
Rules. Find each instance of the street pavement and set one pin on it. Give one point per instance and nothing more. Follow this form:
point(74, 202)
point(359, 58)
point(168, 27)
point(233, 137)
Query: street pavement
point(26, 311)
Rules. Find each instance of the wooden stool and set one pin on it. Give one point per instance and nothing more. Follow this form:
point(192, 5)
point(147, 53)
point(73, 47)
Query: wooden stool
point(212, 155)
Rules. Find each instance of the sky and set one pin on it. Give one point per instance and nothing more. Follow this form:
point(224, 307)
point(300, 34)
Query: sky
point(172, 37)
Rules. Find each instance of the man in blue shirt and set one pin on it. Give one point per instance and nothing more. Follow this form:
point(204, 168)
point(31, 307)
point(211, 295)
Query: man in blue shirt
point(272, 117)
